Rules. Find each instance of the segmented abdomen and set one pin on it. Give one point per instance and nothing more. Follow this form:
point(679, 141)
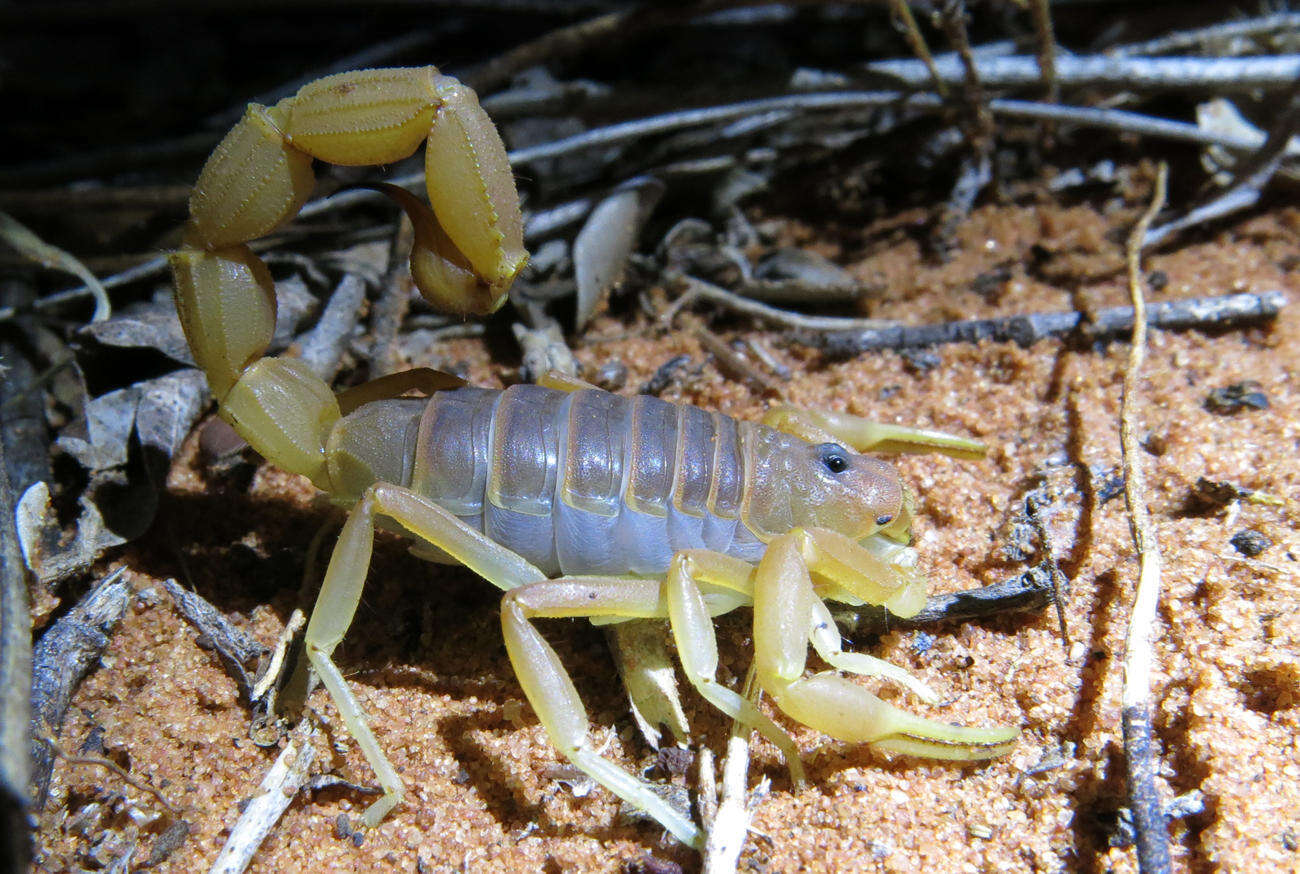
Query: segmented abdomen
point(585, 482)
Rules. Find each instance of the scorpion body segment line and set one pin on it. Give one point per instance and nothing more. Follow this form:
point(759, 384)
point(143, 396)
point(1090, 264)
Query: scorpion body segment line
point(574, 502)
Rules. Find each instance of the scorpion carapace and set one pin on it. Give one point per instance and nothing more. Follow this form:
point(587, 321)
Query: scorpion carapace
point(575, 502)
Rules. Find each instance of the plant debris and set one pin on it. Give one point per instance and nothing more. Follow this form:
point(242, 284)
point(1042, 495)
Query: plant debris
point(1236, 397)
point(1250, 542)
point(1025, 330)
point(62, 657)
point(233, 646)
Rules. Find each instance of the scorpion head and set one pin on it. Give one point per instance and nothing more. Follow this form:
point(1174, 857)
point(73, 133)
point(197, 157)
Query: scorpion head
point(856, 495)
point(808, 485)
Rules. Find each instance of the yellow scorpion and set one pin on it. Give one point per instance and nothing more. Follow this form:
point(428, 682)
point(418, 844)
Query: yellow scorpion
point(573, 501)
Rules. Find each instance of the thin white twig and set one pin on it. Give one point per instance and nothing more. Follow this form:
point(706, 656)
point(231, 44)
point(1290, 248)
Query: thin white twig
point(730, 821)
point(698, 289)
point(1184, 40)
point(278, 789)
point(1133, 74)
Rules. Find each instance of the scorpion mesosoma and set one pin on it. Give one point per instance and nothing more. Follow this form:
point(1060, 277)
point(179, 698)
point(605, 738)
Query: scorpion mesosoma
point(574, 502)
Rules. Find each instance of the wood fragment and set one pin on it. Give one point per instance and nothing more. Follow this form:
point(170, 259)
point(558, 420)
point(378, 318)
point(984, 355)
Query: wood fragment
point(233, 646)
point(15, 691)
point(278, 788)
point(1230, 310)
point(1139, 750)
point(543, 348)
point(62, 658)
point(728, 828)
point(1217, 75)
point(1182, 40)
point(1031, 590)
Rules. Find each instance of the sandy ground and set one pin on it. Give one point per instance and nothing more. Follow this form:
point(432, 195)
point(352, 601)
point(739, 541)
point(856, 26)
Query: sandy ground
point(426, 659)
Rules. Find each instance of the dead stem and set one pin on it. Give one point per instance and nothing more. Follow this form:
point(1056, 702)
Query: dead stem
point(1182, 40)
point(916, 42)
point(697, 289)
point(62, 657)
point(1142, 75)
point(15, 688)
point(114, 767)
point(1046, 44)
point(1028, 328)
point(276, 792)
point(730, 823)
point(1140, 755)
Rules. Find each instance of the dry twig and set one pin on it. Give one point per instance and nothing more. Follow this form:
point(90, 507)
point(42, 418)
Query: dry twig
point(274, 795)
point(730, 821)
point(735, 364)
point(1217, 75)
point(1183, 40)
point(1028, 328)
point(112, 766)
point(904, 19)
point(62, 657)
point(697, 289)
point(1046, 44)
point(15, 690)
point(1030, 590)
point(1144, 797)
point(979, 121)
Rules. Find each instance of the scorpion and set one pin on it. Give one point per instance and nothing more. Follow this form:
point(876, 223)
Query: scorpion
point(573, 501)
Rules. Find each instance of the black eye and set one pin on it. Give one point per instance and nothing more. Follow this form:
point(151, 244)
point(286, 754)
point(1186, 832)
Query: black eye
point(834, 458)
point(884, 520)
